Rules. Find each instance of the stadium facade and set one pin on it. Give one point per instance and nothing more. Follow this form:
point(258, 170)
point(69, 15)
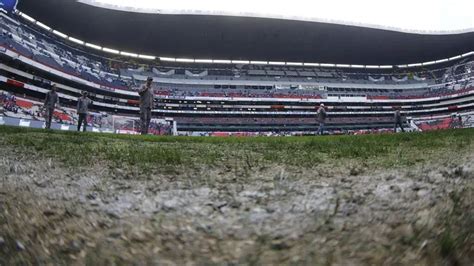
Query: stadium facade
point(262, 74)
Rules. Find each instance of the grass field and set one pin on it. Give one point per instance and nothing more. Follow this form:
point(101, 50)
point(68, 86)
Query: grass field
point(151, 151)
point(118, 199)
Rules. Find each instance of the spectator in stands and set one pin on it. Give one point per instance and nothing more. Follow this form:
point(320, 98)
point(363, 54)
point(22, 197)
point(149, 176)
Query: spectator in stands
point(322, 114)
point(50, 103)
point(146, 104)
point(83, 104)
point(398, 120)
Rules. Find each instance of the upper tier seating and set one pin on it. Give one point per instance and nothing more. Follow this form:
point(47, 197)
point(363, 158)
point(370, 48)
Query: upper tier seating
point(47, 49)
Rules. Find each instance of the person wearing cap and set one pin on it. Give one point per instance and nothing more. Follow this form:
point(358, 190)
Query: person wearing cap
point(146, 104)
point(50, 103)
point(83, 104)
point(322, 114)
point(398, 120)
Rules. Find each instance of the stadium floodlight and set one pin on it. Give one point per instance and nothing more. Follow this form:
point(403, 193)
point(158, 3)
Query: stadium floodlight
point(442, 61)
point(327, 65)
point(203, 61)
point(76, 40)
point(185, 60)
point(43, 26)
point(259, 62)
point(112, 51)
point(277, 63)
point(357, 66)
point(312, 64)
point(428, 63)
point(241, 62)
point(60, 34)
point(93, 46)
point(455, 57)
point(222, 61)
point(148, 57)
point(402, 66)
point(168, 59)
point(415, 65)
point(128, 54)
point(467, 54)
point(294, 64)
point(372, 66)
point(25, 16)
point(343, 66)
point(386, 67)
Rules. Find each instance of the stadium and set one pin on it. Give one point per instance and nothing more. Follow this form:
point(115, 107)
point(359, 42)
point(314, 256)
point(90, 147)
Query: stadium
point(213, 178)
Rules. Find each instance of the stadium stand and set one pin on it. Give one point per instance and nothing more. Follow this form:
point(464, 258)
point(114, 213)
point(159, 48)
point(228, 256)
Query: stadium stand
point(223, 98)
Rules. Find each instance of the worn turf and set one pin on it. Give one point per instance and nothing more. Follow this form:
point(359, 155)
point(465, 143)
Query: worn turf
point(99, 199)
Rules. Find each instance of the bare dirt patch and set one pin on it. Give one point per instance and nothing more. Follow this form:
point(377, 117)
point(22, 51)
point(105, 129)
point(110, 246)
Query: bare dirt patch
point(347, 215)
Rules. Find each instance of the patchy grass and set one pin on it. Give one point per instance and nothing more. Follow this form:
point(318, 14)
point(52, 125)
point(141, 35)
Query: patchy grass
point(447, 244)
point(76, 149)
point(51, 208)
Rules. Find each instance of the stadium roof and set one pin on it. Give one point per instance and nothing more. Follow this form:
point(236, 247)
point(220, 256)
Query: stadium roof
point(421, 16)
point(243, 38)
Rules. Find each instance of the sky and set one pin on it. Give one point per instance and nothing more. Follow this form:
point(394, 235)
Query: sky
point(408, 15)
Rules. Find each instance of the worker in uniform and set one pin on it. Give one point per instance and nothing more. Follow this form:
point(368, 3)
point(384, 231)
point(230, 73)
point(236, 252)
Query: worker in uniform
point(398, 120)
point(146, 105)
point(83, 104)
point(322, 115)
point(50, 103)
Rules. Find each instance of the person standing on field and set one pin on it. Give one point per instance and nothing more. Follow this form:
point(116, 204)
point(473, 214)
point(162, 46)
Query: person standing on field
point(50, 103)
point(83, 104)
point(322, 115)
point(146, 104)
point(398, 120)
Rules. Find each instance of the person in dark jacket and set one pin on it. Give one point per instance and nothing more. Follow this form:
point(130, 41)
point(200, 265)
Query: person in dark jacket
point(460, 123)
point(50, 103)
point(322, 114)
point(398, 120)
point(146, 104)
point(83, 104)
